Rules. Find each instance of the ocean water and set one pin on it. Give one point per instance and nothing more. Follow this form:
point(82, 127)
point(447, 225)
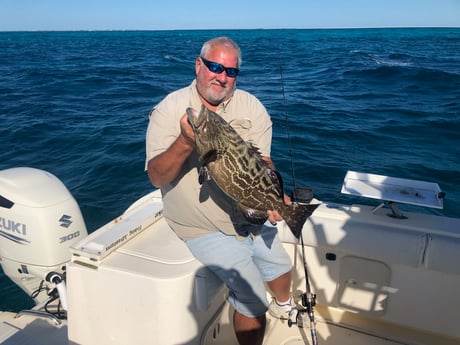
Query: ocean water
point(383, 101)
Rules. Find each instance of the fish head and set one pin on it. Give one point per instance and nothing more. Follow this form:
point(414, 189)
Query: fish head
point(196, 119)
point(207, 127)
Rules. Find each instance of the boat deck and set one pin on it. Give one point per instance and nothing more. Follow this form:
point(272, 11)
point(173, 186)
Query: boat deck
point(31, 330)
point(378, 280)
point(339, 329)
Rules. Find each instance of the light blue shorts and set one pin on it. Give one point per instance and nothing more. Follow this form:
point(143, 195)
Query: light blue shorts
point(244, 265)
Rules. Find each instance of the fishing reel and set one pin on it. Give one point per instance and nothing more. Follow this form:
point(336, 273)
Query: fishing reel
point(302, 195)
point(308, 303)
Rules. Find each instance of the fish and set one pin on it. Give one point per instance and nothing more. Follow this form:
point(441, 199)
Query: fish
point(238, 169)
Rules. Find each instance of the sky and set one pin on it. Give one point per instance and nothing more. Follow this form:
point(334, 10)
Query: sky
point(32, 15)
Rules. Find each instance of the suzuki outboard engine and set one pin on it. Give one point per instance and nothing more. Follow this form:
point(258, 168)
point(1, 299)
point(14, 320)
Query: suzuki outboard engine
point(39, 221)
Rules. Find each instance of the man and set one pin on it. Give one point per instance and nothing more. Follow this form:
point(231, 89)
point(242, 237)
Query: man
point(243, 255)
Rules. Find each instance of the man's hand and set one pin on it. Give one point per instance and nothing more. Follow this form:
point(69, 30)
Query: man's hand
point(274, 216)
point(187, 136)
point(165, 167)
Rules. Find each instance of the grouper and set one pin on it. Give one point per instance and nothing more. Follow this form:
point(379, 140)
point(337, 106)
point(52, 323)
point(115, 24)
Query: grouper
point(239, 170)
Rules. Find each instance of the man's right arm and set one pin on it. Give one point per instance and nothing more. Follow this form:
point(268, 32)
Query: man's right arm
point(165, 167)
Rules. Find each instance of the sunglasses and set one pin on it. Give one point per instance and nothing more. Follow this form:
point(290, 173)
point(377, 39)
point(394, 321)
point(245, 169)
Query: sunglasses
point(217, 68)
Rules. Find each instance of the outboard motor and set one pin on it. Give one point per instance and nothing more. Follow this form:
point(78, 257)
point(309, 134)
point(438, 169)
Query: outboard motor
point(39, 221)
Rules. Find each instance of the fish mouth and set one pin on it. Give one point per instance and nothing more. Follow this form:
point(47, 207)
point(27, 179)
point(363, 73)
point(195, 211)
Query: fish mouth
point(195, 118)
point(191, 116)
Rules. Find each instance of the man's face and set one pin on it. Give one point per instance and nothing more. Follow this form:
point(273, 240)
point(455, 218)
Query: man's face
point(215, 88)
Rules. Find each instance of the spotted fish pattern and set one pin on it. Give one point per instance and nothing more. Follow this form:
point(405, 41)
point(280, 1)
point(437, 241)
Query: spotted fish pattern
point(239, 170)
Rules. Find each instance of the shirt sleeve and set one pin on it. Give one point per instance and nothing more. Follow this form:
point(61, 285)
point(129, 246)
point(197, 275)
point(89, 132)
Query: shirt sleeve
point(164, 125)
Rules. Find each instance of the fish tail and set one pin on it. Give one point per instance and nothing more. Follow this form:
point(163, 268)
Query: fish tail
point(296, 215)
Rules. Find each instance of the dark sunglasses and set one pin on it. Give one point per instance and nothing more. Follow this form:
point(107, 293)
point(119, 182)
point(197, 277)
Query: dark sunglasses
point(217, 68)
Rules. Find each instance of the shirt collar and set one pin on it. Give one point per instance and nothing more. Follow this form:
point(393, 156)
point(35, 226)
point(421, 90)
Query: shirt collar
point(196, 101)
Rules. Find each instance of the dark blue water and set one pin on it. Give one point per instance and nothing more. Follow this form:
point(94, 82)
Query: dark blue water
point(384, 101)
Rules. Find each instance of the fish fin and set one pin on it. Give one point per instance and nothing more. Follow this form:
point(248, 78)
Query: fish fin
point(209, 156)
point(296, 215)
point(203, 175)
point(253, 216)
point(277, 180)
point(254, 150)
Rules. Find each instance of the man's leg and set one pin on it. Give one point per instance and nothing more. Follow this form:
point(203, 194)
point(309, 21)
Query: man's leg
point(249, 330)
point(275, 266)
point(231, 260)
point(281, 287)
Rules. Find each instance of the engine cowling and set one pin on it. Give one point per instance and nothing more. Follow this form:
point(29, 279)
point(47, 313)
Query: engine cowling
point(39, 221)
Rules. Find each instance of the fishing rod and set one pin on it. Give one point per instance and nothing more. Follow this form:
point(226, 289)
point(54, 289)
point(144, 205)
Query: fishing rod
point(286, 119)
point(301, 195)
point(308, 301)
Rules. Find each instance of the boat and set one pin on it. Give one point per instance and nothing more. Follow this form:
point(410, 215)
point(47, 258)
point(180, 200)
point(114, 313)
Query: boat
point(362, 273)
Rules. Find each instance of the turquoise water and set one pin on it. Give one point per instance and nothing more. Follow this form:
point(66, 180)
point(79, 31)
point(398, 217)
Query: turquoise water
point(384, 101)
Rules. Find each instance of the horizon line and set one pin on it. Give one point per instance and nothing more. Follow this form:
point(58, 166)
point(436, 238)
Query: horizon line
point(243, 29)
